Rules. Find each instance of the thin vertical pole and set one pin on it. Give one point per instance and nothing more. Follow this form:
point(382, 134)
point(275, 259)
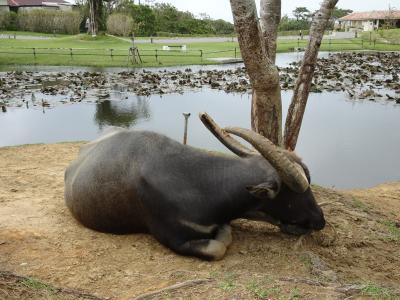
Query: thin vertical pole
point(186, 115)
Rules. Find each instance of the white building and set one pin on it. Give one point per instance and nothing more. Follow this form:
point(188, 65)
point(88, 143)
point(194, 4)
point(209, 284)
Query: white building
point(23, 5)
point(370, 20)
point(4, 6)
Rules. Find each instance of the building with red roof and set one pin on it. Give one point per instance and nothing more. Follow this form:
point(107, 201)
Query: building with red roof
point(17, 5)
point(370, 20)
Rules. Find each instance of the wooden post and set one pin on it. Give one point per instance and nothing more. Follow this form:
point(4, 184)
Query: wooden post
point(201, 55)
point(330, 44)
point(70, 52)
point(34, 52)
point(156, 55)
point(186, 115)
point(235, 52)
point(111, 54)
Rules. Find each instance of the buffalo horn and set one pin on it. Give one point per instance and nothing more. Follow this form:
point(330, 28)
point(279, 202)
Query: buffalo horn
point(224, 137)
point(291, 173)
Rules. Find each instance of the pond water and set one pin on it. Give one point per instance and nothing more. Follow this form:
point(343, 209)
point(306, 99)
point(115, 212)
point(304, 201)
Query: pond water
point(346, 144)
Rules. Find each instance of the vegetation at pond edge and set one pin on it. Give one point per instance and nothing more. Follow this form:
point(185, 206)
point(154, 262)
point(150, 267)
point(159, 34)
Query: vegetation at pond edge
point(104, 50)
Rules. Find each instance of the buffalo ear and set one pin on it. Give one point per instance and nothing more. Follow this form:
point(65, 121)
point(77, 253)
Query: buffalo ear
point(265, 190)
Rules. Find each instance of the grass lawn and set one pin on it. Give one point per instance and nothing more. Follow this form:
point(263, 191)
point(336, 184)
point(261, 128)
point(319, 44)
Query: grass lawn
point(88, 51)
point(32, 33)
point(383, 36)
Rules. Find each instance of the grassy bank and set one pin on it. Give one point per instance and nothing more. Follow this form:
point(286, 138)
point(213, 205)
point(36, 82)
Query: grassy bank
point(103, 51)
point(391, 36)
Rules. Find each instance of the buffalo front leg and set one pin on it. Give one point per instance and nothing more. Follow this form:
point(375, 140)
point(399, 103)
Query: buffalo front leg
point(205, 249)
point(209, 249)
point(224, 235)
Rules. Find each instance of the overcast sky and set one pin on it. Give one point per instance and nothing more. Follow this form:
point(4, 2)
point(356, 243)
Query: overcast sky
point(220, 9)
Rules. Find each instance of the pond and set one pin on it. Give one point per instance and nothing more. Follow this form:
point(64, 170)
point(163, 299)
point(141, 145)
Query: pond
point(346, 144)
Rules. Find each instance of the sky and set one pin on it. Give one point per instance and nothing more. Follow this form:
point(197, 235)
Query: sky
point(220, 9)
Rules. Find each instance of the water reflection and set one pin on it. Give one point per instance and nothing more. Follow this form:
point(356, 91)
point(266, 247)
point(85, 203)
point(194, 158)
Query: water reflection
point(345, 143)
point(122, 114)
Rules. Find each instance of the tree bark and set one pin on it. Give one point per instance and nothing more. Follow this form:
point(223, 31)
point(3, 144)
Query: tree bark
point(270, 17)
point(266, 114)
point(306, 72)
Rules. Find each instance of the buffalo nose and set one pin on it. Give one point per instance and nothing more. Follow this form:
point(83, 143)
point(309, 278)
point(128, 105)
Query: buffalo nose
point(320, 224)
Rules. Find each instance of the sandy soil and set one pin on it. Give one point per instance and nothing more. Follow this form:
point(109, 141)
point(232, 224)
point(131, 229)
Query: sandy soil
point(39, 239)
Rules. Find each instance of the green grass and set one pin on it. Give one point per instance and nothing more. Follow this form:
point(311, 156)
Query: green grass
point(377, 292)
point(360, 205)
point(259, 290)
point(29, 33)
point(228, 283)
point(383, 36)
point(37, 285)
point(88, 51)
point(394, 231)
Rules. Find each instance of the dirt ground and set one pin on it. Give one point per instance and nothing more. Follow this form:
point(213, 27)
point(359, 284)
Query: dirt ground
point(46, 254)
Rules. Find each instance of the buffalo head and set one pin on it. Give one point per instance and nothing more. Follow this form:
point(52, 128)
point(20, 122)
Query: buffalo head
point(293, 207)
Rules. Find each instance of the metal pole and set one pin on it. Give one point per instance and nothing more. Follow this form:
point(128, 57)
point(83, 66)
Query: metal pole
point(186, 115)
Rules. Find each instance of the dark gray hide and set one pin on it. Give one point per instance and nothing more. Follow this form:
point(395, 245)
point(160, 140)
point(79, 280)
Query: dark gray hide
point(139, 181)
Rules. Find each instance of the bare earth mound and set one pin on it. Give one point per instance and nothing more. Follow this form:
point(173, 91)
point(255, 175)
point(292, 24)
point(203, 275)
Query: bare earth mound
point(46, 254)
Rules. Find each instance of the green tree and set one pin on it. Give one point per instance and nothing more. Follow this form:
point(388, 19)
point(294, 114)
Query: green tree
point(301, 13)
point(222, 27)
point(339, 13)
point(166, 17)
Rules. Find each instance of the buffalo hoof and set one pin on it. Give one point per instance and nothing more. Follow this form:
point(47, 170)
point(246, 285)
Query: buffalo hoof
point(294, 229)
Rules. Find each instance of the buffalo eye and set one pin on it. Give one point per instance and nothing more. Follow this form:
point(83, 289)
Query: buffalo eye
point(265, 190)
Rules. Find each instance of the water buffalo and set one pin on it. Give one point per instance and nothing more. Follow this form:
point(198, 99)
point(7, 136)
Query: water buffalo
point(139, 181)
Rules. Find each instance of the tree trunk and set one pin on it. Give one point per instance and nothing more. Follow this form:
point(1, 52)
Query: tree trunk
point(266, 115)
point(306, 72)
point(270, 16)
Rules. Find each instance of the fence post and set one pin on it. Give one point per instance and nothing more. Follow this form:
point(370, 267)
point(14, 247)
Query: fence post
point(362, 44)
point(34, 52)
point(201, 55)
point(70, 52)
point(111, 54)
point(298, 44)
point(156, 55)
point(235, 52)
point(330, 45)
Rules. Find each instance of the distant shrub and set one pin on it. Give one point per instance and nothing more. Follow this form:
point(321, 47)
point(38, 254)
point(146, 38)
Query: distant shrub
point(8, 20)
point(49, 21)
point(120, 24)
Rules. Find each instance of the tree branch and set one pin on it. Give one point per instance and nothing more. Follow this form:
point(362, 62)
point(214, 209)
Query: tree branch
point(270, 16)
point(306, 72)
